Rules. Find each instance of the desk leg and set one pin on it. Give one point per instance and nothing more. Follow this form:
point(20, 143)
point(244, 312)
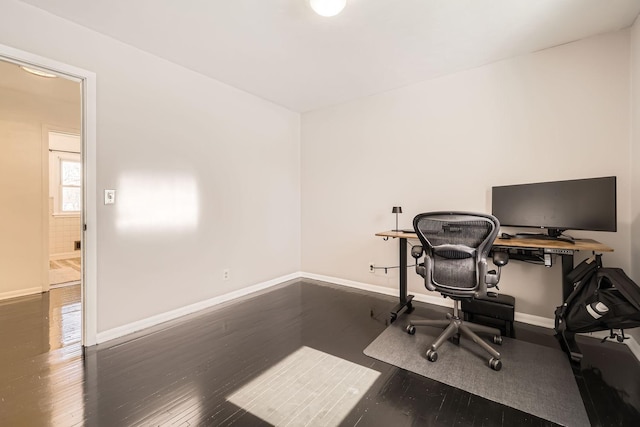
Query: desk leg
point(405, 300)
point(567, 285)
point(568, 339)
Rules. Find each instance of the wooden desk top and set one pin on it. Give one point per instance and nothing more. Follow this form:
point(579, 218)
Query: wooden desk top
point(579, 245)
point(395, 234)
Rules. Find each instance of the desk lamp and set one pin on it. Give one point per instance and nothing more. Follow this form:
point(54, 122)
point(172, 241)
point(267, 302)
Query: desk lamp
point(396, 210)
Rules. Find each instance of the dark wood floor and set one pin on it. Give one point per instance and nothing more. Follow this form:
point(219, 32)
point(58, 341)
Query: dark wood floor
point(182, 373)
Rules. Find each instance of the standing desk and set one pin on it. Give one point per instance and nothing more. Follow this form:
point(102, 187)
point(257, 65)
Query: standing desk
point(566, 251)
point(405, 300)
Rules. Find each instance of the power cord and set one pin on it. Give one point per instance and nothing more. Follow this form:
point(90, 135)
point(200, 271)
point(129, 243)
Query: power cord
point(386, 269)
point(390, 268)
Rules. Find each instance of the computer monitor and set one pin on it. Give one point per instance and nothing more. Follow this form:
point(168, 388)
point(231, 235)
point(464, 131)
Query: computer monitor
point(579, 204)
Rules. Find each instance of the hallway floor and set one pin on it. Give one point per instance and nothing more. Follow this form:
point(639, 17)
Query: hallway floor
point(64, 271)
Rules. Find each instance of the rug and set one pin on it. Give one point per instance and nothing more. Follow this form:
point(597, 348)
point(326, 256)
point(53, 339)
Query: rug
point(534, 379)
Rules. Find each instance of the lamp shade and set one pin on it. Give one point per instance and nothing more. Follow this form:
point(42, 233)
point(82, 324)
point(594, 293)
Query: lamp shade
point(396, 209)
point(327, 7)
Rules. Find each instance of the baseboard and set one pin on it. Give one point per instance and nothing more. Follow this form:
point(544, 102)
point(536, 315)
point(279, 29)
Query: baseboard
point(20, 293)
point(531, 319)
point(426, 298)
point(430, 299)
point(350, 283)
point(139, 325)
point(66, 255)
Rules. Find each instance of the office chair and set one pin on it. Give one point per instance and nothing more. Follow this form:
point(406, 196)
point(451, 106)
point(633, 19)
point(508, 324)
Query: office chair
point(456, 246)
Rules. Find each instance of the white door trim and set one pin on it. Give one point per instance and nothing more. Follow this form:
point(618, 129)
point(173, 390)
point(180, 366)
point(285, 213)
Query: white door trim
point(89, 214)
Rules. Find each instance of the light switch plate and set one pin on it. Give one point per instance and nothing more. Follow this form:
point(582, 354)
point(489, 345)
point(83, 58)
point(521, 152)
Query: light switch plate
point(109, 197)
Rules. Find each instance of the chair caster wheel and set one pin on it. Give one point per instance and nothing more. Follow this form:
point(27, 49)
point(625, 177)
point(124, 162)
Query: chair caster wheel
point(411, 330)
point(497, 339)
point(432, 356)
point(394, 316)
point(495, 364)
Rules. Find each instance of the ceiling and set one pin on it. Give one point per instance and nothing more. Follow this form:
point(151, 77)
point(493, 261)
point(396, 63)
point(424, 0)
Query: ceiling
point(281, 51)
point(12, 77)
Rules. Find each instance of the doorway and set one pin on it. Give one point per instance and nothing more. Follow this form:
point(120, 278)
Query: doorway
point(41, 188)
point(85, 127)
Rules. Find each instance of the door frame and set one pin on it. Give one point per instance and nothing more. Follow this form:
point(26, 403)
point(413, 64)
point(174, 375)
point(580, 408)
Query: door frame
point(87, 79)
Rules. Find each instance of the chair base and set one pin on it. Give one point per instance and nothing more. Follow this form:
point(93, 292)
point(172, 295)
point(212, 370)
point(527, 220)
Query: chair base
point(454, 327)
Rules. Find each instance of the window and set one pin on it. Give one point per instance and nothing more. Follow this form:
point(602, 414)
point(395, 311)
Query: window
point(65, 174)
point(70, 182)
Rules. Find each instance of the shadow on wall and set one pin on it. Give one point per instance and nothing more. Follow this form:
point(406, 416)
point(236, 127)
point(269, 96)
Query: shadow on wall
point(635, 266)
point(635, 248)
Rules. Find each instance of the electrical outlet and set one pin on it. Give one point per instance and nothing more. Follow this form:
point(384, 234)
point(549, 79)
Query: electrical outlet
point(226, 274)
point(372, 267)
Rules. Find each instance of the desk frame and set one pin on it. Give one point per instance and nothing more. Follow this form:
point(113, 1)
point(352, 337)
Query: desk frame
point(405, 300)
point(567, 339)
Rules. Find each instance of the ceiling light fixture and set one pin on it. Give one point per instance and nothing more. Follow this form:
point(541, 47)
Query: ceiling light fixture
point(327, 7)
point(38, 72)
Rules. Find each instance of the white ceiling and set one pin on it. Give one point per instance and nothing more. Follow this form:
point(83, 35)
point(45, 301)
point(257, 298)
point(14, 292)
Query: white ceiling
point(14, 78)
point(281, 51)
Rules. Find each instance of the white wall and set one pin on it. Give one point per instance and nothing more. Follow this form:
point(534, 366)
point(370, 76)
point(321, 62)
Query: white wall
point(163, 130)
point(562, 113)
point(23, 165)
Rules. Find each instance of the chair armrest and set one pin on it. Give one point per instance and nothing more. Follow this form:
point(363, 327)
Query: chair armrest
point(416, 251)
point(500, 259)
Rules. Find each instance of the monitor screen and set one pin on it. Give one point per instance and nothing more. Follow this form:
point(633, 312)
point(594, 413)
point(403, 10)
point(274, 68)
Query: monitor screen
point(580, 204)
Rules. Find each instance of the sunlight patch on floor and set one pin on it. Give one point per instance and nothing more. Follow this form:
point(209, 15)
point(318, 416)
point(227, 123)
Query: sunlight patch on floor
point(308, 387)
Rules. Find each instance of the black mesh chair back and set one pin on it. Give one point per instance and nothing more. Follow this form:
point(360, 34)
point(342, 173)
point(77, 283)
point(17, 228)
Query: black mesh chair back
point(456, 245)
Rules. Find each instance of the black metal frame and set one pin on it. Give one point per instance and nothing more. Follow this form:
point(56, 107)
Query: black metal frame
point(405, 300)
point(568, 339)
